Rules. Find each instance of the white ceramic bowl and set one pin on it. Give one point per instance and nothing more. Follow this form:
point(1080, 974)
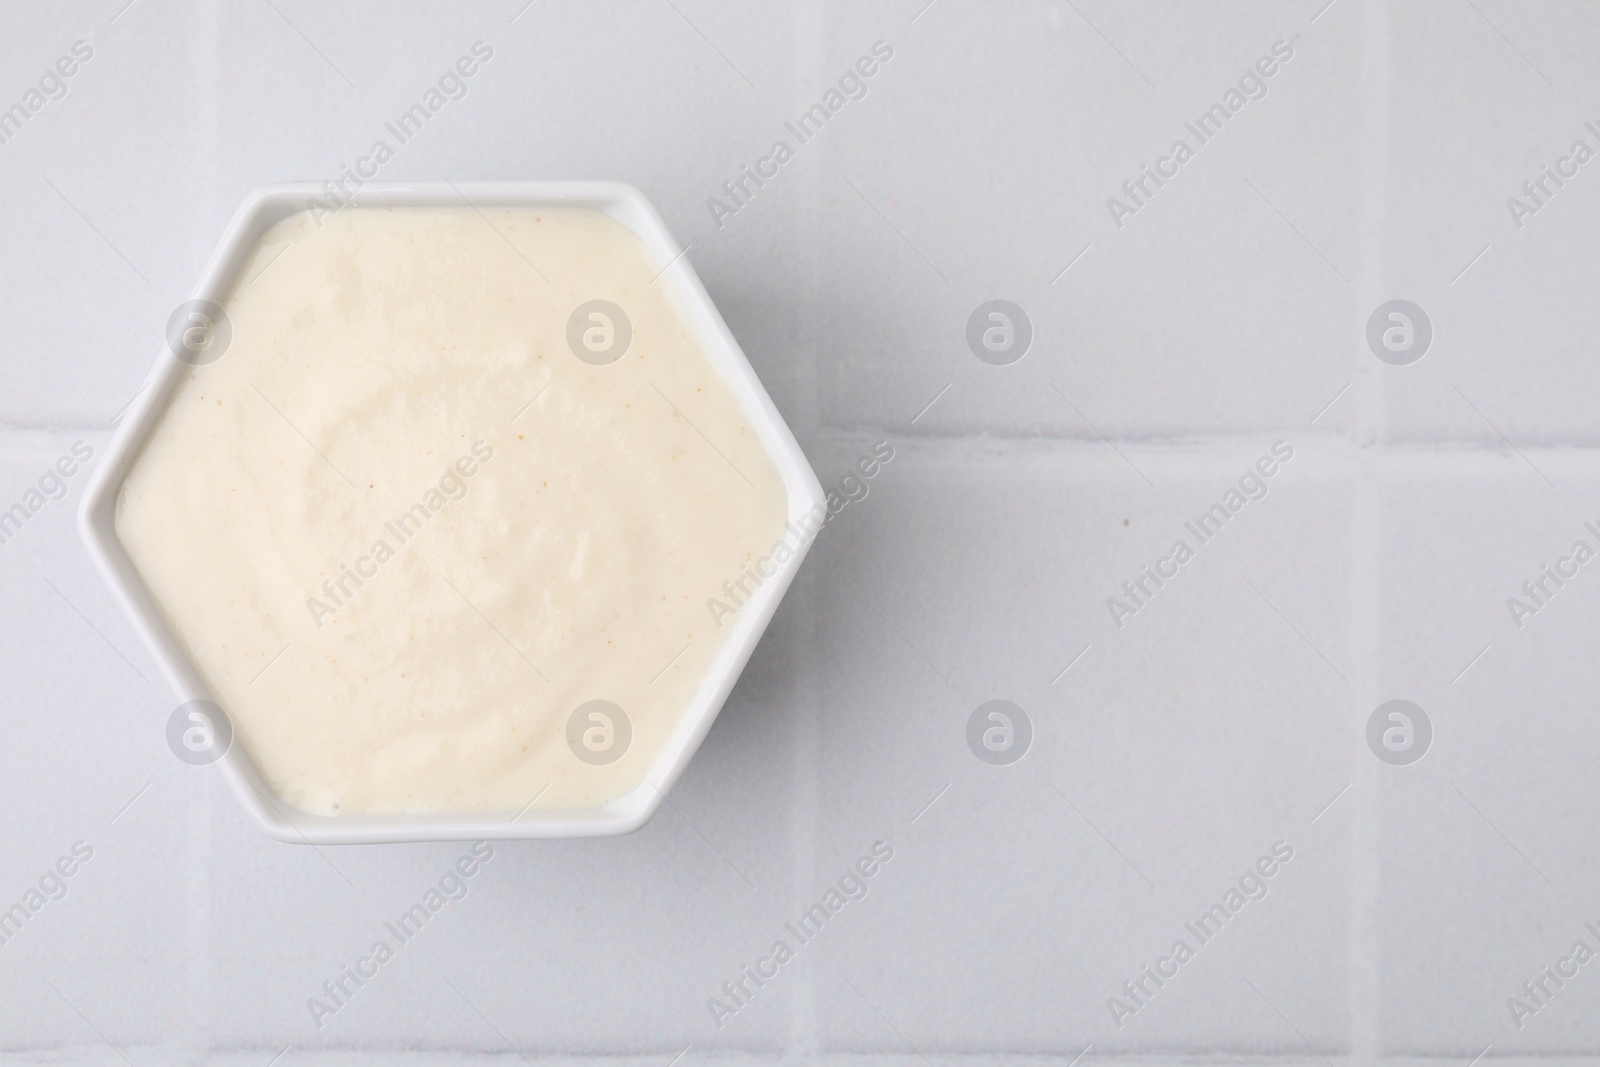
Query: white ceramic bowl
point(267, 206)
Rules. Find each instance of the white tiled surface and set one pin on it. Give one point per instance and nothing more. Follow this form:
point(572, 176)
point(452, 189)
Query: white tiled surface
point(1223, 717)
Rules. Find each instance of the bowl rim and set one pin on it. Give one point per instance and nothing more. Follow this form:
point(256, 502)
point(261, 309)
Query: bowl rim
point(267, 205)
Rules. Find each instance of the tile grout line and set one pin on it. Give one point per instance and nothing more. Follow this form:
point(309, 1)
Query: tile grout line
point(17, 439)
point(804, 1039)
point(199, 794)
point(1366, 522)
point(1366, 987)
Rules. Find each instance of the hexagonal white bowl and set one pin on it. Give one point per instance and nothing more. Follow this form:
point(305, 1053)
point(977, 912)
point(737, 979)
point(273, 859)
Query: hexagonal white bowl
point(271, 204)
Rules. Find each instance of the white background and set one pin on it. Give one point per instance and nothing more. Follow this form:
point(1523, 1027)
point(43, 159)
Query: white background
point(1226, 315)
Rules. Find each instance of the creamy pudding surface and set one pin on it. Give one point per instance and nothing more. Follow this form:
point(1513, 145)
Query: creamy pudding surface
point(421, 514)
